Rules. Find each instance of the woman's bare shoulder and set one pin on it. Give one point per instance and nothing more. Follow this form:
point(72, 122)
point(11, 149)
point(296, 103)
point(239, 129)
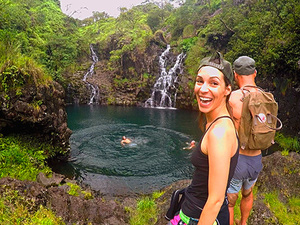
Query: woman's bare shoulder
point(222, 128)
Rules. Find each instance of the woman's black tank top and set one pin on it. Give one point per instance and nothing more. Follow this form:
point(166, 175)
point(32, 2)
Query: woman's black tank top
point(198, 190)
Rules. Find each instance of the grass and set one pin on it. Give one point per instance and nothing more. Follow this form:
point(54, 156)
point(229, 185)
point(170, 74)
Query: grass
point(15, 209)
point(288, 144)
point(16, 68)
point(146, 210)
point(286, 213)
point(22, 160)
point(75, 190)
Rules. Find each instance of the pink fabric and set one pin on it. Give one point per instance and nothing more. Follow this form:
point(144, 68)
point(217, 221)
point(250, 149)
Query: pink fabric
point(175, 220)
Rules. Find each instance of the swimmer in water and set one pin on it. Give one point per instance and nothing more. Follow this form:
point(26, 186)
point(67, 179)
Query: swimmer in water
point(191, 145)
point(125, 141)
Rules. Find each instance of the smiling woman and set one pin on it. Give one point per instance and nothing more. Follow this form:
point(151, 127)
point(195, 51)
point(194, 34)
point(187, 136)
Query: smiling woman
point(215, 157)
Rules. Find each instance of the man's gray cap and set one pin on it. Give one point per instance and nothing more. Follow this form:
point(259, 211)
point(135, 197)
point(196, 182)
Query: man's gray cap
point(244, 65)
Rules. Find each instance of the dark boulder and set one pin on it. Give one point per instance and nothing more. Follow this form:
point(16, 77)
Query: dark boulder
point(38, 111)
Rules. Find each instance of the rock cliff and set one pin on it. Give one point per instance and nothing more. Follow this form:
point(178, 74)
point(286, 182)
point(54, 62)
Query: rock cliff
point(38, 111)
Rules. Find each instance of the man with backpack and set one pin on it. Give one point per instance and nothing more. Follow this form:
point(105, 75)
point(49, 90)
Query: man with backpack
point(250, 161)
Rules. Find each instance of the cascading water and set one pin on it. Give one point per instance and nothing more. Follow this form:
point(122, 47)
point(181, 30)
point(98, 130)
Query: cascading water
point(94, 88)
point(164, 92)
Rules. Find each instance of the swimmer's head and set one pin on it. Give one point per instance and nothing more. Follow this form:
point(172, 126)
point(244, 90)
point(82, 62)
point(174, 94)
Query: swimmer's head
point(193, 142)
point(123, 138)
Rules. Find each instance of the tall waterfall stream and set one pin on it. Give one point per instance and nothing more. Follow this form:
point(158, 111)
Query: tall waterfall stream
point(94, 88)
point(165, 91)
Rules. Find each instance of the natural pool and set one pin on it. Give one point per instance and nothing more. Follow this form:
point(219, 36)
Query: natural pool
point(154, 159)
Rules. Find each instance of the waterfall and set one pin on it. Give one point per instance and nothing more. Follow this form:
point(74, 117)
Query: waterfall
point(164, 92)
point(93, 88)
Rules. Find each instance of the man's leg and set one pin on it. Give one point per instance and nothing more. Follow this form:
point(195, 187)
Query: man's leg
point(232, 197)
point(246, 205)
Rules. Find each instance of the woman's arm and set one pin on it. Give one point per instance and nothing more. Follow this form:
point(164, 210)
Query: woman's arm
point(218, 145)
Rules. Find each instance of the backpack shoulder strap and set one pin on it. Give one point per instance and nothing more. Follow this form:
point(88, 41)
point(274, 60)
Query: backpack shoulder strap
point(244, 88)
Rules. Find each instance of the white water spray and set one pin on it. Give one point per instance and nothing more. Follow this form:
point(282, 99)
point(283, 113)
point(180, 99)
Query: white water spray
point(94, 88)
point(164, 92)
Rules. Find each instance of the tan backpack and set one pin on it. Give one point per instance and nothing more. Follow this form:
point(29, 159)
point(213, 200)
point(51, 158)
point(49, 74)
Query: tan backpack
point(258, 120)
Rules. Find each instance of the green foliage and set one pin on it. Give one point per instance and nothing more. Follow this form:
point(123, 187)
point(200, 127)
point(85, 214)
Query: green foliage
point(129, 32)
point(215, 5)
point(191, 84)
point(294, 206)
point(191, 13)
point(286, 213)
point(17, 69)
point(87, 195)
point(194, 56)
point(186, 44)
point(120, 82)
point(146, 210)
point(37, 104)
point(45, 216)
point(146, 76)
point(267, 31)
point(11, 77)
point(288, 144)
point(39, 30)
point(16, 209)
point(188, 31)
point(157, 194)
point(159, 37)
point(111, 100)
point(237, 211)
point(74, 189)
point(156, 14)
point(22, 159)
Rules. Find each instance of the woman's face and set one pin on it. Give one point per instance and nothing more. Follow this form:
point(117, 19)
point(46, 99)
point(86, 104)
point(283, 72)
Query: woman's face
point(210, 89)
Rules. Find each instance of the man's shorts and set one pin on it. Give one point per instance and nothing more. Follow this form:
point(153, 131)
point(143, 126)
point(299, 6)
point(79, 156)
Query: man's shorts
point(236, 185)
point(246, 173)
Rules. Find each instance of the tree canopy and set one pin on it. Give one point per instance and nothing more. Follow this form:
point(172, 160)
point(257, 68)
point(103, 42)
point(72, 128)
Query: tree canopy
point(268, 31)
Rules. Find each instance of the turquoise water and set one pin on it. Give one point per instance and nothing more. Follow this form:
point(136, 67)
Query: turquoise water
point(154, 159)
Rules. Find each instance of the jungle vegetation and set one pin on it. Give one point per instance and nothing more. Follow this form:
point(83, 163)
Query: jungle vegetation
point(40, 42)
point(267, 30)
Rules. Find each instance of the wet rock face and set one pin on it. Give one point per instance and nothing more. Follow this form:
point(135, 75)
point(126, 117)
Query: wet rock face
point(38, 111)
point(133, 65)
point(289, 107)
point(287, 95)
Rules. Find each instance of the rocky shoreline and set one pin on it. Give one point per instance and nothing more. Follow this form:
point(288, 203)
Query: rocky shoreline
point(280, 174)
